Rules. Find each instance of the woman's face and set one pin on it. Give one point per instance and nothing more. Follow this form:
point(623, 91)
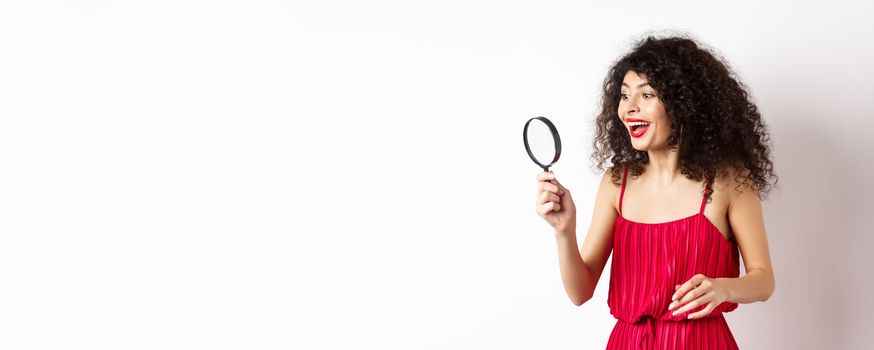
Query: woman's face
point(643, 114)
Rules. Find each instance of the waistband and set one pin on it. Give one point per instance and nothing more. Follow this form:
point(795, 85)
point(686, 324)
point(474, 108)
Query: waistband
point(649, 332)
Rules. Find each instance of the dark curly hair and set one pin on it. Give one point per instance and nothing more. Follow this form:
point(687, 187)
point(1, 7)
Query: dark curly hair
point(710, 110)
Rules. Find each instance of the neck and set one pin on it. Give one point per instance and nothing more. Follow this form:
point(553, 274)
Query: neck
point(664, 166)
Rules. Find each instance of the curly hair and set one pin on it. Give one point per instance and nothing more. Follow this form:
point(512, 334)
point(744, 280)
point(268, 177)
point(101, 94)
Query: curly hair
point(715, 123)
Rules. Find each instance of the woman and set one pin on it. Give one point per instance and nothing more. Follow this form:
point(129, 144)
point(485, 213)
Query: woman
point(680, 203)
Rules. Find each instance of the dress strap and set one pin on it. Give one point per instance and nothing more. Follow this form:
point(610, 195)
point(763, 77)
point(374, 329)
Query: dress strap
point(704, 200)
point(622, 193)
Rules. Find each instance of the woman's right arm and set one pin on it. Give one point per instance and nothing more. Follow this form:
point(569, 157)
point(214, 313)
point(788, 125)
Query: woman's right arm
point(581, 269)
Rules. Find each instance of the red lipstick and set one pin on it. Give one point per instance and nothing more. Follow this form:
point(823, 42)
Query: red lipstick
point(637, 131)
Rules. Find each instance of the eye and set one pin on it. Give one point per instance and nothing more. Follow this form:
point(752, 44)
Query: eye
point(623, 96)
point(648, 95)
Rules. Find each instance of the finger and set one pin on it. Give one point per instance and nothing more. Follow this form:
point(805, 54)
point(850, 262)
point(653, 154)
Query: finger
point(704, 312)
point(540, 187)
point(691, 295)
point(551, 206)
point(547, 208)
point(541, 210)
point(546, 186)
point(547, 196)
point(556, 183)
point(694, 293)
point(561, 188)
point(687, 286)
point(545, 176)
point(694, 304)
point(683, 294)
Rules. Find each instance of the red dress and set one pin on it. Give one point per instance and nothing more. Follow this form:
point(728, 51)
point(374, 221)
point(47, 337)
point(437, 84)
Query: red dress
point(648, 260)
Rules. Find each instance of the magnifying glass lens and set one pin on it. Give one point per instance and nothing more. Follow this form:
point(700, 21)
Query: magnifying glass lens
point(541, 142)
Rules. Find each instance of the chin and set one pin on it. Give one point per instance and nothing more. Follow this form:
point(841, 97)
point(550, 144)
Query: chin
point(646, 145)
point(642, 146)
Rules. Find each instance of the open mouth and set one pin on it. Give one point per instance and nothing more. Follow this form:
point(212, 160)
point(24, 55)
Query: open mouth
point(638, 128)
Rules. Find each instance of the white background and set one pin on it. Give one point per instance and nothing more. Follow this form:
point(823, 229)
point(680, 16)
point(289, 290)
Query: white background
point(347, 175)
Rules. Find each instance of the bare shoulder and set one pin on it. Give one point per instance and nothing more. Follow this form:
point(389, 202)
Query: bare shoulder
point(733, 184)
point(607, 179)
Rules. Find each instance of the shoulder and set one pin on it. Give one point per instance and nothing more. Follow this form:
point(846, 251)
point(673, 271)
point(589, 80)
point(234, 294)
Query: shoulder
point(732, 183)
point(611, 181)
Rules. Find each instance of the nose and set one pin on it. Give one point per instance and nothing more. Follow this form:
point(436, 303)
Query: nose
point(630, 107)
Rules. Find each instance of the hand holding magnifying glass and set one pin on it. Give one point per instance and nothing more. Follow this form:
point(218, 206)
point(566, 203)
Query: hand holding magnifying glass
point(554, 202)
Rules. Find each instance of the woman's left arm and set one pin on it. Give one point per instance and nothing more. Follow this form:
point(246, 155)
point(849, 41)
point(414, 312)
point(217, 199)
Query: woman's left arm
point(748, 226)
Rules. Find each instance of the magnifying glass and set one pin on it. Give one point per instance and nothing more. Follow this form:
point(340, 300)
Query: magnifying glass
point(542, 137)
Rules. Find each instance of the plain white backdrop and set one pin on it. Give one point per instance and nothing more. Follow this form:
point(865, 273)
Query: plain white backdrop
point(351, 175)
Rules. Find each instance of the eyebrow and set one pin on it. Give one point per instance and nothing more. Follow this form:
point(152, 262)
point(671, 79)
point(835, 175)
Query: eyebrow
point(639, 86)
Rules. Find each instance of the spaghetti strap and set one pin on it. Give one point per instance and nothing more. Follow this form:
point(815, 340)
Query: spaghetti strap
point(622, 193)
point(703, 201)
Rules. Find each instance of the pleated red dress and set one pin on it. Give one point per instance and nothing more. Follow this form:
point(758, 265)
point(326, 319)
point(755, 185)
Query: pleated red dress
point(648, 260)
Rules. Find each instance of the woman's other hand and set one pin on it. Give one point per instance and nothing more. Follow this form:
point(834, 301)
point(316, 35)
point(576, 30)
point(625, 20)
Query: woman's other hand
point(698, 290)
